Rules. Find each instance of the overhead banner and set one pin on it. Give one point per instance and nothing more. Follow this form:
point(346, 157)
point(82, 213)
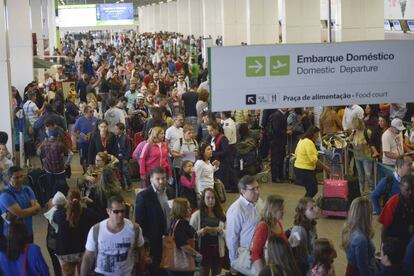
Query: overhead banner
point(302, 75)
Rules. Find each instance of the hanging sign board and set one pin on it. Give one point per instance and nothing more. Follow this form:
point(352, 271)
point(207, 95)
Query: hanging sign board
point(301, 75)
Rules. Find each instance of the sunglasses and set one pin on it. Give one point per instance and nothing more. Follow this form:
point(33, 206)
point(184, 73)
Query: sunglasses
point(121, 211)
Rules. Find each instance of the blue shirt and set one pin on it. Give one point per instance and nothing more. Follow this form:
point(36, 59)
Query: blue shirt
point(360, 253)
point(24, 198)
point(380, 190)
point(85, 126)
point(35, 263)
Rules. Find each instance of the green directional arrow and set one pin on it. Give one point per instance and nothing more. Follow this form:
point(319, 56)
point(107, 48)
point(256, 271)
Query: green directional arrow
point(279, 65)
point(255, 66)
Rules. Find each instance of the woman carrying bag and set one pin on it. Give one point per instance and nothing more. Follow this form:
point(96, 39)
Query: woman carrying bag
point(178, 247)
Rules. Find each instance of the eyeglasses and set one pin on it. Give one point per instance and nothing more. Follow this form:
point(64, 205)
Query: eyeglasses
point(120, 211)
point(254, 189)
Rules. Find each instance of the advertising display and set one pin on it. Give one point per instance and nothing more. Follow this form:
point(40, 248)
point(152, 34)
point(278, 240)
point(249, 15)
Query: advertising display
point(302, 75)
point(77, 15)
point(115, 14)
point(96, 15)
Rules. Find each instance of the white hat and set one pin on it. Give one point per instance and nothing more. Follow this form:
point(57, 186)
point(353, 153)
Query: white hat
point(140, 96)
point(59, 199)
point(398, 124)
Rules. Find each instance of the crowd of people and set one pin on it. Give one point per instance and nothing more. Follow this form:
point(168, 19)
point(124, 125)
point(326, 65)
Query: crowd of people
point(138, 111)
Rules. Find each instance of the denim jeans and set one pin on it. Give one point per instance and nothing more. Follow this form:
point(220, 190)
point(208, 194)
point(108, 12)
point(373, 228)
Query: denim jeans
point(125, 175)
point(364, 168)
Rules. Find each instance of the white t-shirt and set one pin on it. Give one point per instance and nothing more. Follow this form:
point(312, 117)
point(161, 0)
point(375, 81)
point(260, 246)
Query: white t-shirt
point(391, 143)
point(173, 134)
point(30, 110)
point(115, 250)
point(204, 175)
point(229, 128)
point(349, 114)
point(113, 116)
point(410, 135)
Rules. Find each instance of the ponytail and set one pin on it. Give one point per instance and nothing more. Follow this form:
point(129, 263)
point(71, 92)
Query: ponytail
point(74, 208)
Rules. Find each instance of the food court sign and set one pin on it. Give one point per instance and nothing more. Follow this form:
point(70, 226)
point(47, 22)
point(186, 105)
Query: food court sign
point(300, 75)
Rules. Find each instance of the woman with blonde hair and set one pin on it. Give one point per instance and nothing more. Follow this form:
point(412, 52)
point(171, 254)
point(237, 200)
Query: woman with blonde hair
point(107, 186)
point(362, 153)
point(329, 121)
point(154, 154)
point(269, 225)
point(182, 231)
point(357, 237)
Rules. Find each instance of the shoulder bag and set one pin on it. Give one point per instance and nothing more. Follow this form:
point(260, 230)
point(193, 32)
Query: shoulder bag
point(173, 258)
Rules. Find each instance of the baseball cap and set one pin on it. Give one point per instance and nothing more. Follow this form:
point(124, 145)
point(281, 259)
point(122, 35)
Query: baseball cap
point(398, 124)
point(53, 132)
point(140, 96)
point(59, 199)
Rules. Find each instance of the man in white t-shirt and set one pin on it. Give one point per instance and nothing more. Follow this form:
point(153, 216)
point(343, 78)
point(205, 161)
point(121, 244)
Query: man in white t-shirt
point(30, 109)
point(350, 113)
point(392, 142)
point(115, 243)
point(174, 132)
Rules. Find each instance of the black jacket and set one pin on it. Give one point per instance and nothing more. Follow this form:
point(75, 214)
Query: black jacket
point(150, 216)
point(276, 129)
point(95, 146)
point(72, 239)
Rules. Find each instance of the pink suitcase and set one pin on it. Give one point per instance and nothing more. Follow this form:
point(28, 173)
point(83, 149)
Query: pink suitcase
point(335, 187)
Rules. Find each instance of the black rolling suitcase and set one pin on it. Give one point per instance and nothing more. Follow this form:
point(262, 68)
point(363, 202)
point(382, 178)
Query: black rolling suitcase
point(289, 161)
point(37, 180)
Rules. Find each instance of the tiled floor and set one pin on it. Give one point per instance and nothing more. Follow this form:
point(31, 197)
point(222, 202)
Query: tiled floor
point(327, 227)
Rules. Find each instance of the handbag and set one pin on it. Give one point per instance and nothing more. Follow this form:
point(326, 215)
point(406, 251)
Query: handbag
point(173, 258)
point(243, 263)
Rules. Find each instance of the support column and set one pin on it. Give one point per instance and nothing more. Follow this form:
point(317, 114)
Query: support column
point(5, 79)
point(262, 22)
point(141, 19)
point(195, 15)
point(150, 18)
point(164, 17)
point(37, 26)
point(157, 17)
point(234, 22)
point(212, 18)
point(360, 20)
point(51, 22)
point(301, 21)
point(172, 16)
point(20, 43)
point(182, 17)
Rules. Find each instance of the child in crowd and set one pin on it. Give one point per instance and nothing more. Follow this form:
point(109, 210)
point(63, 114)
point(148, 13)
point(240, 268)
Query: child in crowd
point(124, 153)
point(392, 254)
point(303, 234)
point(187, 183)
point(72, 91)
point(324, 254)
point(5, 162)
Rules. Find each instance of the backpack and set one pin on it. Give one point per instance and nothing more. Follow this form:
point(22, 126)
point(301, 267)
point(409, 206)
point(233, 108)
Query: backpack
point(96, 236)
point(220, 190)
point(139, 149)
point(388, 188)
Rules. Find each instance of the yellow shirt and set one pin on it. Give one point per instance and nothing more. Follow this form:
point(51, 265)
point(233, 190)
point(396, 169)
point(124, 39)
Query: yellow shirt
point(306, 155)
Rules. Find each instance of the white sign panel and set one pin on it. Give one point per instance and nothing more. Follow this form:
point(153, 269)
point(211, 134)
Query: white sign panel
point(300, 75)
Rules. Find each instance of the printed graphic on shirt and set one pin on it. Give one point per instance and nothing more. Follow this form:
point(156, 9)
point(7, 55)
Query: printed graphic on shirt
point(113, 255)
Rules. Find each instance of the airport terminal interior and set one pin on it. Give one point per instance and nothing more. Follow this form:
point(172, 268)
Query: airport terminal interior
point(276, 135)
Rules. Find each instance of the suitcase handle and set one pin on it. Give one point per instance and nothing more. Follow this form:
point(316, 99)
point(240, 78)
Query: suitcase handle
point(335, 176)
